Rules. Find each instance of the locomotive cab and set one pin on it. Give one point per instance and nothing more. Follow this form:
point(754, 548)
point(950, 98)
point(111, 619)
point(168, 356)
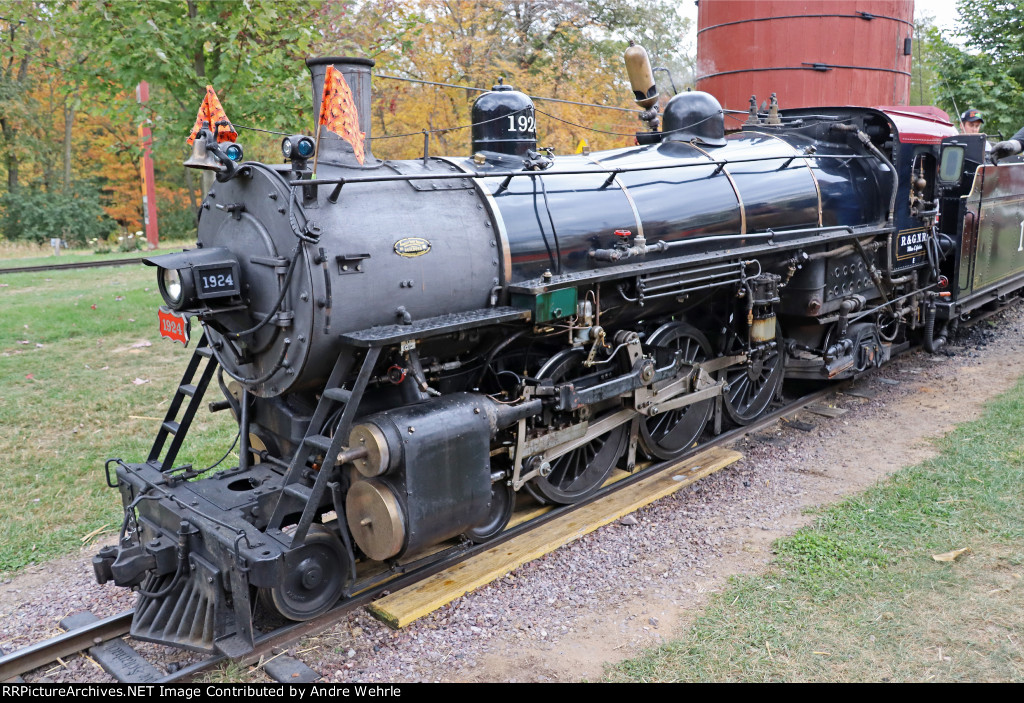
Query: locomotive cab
point(979, 228)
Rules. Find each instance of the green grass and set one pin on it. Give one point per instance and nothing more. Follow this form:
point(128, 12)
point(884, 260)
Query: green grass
point(72, 344)
point(858, 597)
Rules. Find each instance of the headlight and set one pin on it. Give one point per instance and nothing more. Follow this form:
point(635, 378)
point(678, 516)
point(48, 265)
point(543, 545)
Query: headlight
point(305, 147)
point(196, 279)
point(170, 287)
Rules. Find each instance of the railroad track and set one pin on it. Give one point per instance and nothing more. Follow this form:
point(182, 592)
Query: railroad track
point(82, 639)
point(72, 265)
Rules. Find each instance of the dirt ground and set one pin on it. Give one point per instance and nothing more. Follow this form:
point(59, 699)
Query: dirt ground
point(884, 421)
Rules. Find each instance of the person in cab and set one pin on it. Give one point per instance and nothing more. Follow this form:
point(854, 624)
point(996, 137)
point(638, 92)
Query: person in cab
point(971, 121)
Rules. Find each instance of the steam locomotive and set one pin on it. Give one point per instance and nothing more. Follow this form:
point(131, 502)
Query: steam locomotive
point(408, 347)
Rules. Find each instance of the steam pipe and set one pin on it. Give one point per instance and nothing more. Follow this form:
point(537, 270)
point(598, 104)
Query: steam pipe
point(866, 141)
point(462, 175)
point(931, 343)
point(841, 251)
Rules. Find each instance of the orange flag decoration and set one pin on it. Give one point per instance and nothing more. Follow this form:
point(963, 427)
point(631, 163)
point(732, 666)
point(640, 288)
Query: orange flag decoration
point(338, 111)
point(212, 112)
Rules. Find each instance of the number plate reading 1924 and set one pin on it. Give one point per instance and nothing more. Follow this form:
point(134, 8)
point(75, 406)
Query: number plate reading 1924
point(173, 326)
point(215, 281)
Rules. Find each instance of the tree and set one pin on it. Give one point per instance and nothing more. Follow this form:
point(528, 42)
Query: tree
point(68, 75)
point(991, 73)
point(38, 101)
point(657, 26)
point(923, 69)
point(18, 24)
point(992, 27)
point(985, 73)
point(565, 49)
point(250, 52)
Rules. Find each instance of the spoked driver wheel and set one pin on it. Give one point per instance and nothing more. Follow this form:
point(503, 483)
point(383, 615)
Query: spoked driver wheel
point(671, 433)
point(314, 578)
point(752, 387)
point(578, 473)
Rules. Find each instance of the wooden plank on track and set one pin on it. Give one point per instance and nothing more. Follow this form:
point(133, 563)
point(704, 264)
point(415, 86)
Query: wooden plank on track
point(403, 607)
point(825, 410)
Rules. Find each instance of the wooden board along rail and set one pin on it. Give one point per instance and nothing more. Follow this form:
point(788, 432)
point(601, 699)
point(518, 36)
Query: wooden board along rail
point(409, 604)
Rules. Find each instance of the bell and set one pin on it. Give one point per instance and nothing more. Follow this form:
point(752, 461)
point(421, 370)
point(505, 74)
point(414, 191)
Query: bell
point(201, 158)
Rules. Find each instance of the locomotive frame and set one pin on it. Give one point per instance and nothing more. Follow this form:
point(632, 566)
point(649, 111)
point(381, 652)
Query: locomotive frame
point(539, 320)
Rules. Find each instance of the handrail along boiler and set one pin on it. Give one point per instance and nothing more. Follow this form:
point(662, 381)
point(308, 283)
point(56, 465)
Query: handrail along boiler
point(409, 346)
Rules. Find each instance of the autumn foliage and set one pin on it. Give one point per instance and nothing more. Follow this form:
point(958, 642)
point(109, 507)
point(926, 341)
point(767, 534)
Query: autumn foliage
point(68, 70)
point(563, 50)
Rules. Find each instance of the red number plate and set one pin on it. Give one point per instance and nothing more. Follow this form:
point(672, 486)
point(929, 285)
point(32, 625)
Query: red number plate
point(173, 326)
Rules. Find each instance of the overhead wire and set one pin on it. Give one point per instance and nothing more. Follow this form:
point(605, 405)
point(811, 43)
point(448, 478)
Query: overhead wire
point(486, 90)
point(438, 130)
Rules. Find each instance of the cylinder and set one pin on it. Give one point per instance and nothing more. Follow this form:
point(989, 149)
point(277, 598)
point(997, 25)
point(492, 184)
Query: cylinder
point(810, 53)
point(763, 329)
point(357, 73)
point(438, 480)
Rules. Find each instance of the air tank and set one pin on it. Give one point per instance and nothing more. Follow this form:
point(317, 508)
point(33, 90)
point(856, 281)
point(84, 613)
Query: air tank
point(810, 52)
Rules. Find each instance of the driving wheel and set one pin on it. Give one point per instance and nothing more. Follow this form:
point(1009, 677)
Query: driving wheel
point(580, 472)
point(670, 434)
point(753, 385)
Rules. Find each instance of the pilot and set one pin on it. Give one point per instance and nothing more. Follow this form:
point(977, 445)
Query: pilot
point(971, 121)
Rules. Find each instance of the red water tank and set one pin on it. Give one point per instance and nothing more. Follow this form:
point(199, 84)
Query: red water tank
point(809, 52)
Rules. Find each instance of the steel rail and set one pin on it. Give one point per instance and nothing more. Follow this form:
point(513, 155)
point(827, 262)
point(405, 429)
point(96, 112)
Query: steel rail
point(42, 653)
point(72, 265)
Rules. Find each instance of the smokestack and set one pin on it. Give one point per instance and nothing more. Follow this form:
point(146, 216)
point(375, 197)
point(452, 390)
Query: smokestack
point(356, 71)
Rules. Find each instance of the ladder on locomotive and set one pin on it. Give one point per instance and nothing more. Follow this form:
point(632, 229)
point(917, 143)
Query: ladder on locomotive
point(296, 496)
point(192, 388)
